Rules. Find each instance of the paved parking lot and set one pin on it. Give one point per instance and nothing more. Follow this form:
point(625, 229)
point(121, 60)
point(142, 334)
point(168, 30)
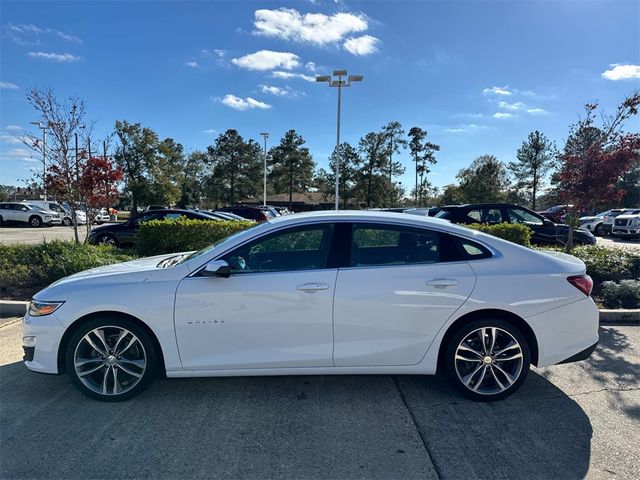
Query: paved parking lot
point(568, 421)
point(37, 235)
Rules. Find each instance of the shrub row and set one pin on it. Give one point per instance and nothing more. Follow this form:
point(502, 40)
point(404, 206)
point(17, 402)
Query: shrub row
point(514, 232)
point(25, 269)
point(169, 236)
point(625, 294)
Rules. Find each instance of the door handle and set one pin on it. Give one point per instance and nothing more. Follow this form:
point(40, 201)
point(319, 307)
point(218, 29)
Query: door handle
point(443, 282)
point(312, 287)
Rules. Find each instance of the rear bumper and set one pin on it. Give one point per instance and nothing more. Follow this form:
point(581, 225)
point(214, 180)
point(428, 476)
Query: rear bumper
point(582, 355)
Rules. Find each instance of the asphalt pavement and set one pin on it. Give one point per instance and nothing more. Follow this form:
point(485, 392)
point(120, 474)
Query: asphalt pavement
point(568, 421)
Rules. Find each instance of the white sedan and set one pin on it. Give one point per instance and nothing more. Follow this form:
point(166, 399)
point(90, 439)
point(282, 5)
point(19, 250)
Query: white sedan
point(322, 293)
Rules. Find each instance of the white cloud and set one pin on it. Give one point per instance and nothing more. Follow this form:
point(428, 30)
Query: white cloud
point(18, 154)
point(13, 127)
point(511, 106)
point(361, 45)
point(311, 66)
point(8, 86)
point(503, 115)
point(277, 91)
point(497, 91)
point(10, 139)
point(55, 57)
point(464, 128)
point(31, 32)
point(243, 104)
point(192, 64)
point(314, 28)
point(210, 130)
point(537, 111)
point(622, 72)
point(267, 60)
point(288, 75)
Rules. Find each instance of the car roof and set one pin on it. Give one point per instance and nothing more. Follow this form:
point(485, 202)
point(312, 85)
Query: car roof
point(464, 205)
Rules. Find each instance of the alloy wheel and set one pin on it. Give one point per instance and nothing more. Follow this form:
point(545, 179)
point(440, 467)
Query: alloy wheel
point(110, 360)
point(108, 240)
point(489, 360)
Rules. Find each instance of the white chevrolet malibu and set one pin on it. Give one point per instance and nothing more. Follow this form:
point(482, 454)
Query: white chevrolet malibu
point(323, 293)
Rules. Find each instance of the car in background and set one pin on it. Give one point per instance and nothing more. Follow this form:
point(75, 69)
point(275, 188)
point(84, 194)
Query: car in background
point(269, 210)
point(283, 210)
point(228, 215)
point(122, 234)
point(65, 212)
point(423, 211)
point(101, 216)
point(627, 225)
point(545, 232)
point(247, 212)
point(356, 293)
point(33, 215)
point(556, 213)
point(593, 223)
point(609, 218)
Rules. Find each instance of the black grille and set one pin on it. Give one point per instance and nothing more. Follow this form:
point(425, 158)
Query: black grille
point(621, 222)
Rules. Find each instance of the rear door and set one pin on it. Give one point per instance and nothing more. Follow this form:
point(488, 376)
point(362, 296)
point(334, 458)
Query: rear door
point(395, 294)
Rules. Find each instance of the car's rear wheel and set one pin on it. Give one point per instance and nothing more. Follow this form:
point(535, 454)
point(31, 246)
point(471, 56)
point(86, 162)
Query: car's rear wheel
point(598, 230)
point(67, 221)
point(487, 360)
point(108, 239)
point(111, 359)
point(35, 222)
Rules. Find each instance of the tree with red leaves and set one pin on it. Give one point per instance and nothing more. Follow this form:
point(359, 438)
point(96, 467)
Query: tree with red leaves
point(98, 182)
point(596, 158)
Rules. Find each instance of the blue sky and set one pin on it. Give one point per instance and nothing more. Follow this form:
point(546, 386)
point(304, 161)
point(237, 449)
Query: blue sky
point(478, 76)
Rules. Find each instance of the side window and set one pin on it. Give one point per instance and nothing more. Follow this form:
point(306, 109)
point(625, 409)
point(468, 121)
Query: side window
point(393, 245)
point(484, 215)
point(298, 248)
point(519, 215)
point(170, 216)
point(470, 250)
point(147, 217)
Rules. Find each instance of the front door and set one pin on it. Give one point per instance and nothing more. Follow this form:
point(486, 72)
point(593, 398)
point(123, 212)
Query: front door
point(397, 293)
point(274, 311)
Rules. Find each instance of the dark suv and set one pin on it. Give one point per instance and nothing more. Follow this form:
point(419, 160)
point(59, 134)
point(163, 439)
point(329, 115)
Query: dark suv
point(545, 232)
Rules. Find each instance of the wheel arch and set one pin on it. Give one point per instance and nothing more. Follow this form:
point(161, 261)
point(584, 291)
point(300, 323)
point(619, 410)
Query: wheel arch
point(505, 315)
point(64, 342)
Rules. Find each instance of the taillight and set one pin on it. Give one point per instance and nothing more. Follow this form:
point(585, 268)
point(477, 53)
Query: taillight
point(582, 283)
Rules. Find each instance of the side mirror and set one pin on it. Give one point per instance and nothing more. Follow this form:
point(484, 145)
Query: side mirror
point(217, 268)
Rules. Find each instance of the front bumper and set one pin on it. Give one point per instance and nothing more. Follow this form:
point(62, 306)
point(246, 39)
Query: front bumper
point(625, 231)
point(47, 331)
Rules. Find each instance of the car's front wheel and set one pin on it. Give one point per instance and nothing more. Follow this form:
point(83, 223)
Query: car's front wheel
point(35, 222)
point(487, 360)
point(111, 359)
point(107, 239)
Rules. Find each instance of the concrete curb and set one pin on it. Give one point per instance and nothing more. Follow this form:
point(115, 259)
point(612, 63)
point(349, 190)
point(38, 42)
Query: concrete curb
point(11, 308)
point(626, 316)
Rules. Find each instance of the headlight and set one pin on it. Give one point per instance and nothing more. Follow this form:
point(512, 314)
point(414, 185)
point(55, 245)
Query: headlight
point(39, 309)
point(635, 222)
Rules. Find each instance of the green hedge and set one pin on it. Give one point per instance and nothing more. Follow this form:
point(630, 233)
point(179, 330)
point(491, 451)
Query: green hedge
point(169, 236)
point(625, 294)
point(514, 232)
point(25, 269)
point(609, 263)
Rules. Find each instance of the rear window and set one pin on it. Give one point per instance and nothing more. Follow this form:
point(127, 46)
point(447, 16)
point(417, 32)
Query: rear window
point(445, 214)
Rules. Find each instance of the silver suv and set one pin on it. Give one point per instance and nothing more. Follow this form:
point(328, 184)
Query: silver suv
point(627, 224)
point(33, 215)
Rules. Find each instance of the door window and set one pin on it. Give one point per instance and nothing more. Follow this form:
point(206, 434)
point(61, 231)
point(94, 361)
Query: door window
point(484, 215)
point(299, 248)
point(519, 215)
point(393, 245)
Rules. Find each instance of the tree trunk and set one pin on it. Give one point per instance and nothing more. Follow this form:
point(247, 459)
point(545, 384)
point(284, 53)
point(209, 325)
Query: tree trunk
point(291, 184)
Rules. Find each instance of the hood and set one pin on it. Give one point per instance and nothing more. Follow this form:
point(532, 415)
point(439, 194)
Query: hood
point(132, 272)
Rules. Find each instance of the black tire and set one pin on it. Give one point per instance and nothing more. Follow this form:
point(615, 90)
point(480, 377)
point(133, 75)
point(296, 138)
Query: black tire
point(35, 221)
point(67, 221)
point(495, 376)
point(110, 326)
point(108, 239)
point(1, 222)
point(597, 231)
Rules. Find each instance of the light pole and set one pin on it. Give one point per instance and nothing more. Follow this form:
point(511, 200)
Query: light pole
point(339, 83)
point(44, 156)
point(265, 135)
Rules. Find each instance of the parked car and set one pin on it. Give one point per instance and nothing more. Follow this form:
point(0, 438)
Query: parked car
point(627, 225)
point(545, 232)
point(122, 234)
point(246, 212)
point(283, 210)
point(228, 215)
point(424, 211)
point(608, 220)
point(593, 223)
point(33, 215)
point(317, 294)
point(65, 212)
point(101, 216)
point(556, 213)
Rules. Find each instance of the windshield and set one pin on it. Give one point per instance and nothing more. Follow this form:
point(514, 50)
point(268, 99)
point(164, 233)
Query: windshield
point(446, 214)
point(206, 250)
